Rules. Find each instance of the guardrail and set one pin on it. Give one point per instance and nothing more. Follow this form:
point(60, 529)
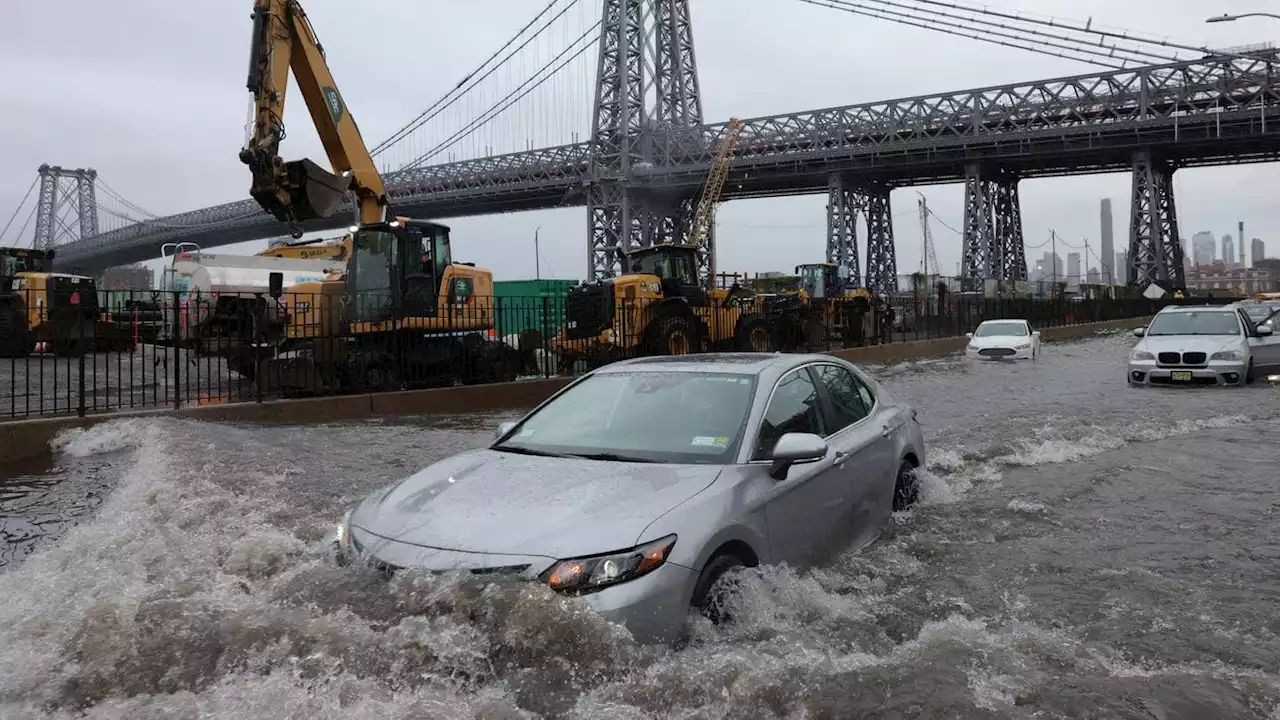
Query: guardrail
point(154, 349)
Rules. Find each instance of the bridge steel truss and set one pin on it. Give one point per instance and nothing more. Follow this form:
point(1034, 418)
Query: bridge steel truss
point(993, 242)
point(61, 188)
point(1211, 111)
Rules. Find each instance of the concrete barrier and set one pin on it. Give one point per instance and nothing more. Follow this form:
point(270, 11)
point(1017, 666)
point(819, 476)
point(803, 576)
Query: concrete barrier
point(25, 439)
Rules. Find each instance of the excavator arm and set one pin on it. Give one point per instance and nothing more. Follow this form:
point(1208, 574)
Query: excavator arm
point(301, 190)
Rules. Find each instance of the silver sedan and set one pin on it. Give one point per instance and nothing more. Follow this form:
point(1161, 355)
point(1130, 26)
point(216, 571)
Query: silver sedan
point(640, 485)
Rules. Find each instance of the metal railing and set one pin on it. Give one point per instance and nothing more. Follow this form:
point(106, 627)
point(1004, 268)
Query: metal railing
point(163, 349)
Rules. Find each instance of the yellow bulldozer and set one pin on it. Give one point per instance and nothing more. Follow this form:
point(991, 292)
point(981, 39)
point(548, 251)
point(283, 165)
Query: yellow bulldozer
point(822, 307)
point(42, 308)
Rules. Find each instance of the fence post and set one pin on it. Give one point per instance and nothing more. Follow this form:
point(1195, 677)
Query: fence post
point(80, 350)
point(543, 325)
point(175, 355)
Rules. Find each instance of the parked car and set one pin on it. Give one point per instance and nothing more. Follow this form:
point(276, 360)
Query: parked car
point(1203, 345)
point(640, 485)
point(1003, 340)
point(1258, 310)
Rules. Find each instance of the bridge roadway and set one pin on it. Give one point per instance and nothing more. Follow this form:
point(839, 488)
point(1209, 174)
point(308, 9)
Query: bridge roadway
point(1212, 111)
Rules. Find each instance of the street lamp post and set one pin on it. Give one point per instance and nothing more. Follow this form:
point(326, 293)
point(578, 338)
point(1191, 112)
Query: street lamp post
point(1231, 18)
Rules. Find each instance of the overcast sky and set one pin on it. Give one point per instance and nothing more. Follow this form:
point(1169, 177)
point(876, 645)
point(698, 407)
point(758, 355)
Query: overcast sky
point(151, 94)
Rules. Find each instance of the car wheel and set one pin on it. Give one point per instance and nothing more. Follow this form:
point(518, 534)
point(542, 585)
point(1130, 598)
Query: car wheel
point(906, 490)
point(715, 584)
point(1249, 377)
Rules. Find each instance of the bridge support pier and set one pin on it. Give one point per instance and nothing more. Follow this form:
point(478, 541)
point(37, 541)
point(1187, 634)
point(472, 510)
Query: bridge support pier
point(1155, 250)
point(882, 255)
point(843, 204)
point(646, 49)
point(845, 200)
point(993, 241)
point(59, 187)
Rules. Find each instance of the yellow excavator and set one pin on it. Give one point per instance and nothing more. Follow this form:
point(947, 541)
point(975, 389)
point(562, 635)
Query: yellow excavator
point(659, 306)
point(402, 311)
point(318, 249)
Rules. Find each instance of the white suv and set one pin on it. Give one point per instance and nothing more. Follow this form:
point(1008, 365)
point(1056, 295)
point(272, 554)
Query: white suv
point(1202, 345)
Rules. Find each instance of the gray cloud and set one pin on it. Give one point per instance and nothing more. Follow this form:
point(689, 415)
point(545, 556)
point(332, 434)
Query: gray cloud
point(152, 96)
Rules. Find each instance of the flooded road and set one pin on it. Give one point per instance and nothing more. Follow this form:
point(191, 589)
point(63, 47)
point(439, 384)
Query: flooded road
point(1082, 549)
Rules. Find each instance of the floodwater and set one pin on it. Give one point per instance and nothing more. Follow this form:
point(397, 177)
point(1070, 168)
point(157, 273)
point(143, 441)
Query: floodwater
point(1082, 550)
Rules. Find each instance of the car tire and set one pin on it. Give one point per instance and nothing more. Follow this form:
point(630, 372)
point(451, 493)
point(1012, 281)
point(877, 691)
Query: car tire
point(906, 488)
point(713, 587)
point(1249, 377)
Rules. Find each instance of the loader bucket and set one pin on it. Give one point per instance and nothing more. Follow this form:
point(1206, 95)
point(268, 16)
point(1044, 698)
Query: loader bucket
point(315, 192)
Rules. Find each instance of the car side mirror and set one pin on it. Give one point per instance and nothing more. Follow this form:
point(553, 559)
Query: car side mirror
point(795, 448)
point(1139, 332)
point(969, 335)
point(1035, 333)
point(1264, 331)
point(503, 429)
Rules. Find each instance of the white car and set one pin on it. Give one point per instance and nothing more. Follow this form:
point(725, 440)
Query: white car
point(1203, 345)
point(1004, 340)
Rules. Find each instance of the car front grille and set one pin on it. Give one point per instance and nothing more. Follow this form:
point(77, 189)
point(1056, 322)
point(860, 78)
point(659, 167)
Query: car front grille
point(996, 352)
point(387, 570)
point(1173, 358)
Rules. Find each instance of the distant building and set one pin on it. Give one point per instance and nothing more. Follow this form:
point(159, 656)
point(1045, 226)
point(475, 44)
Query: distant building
point(1257, 250)
point(1203, 248)
point(1073, 269)
point(1220, 277)
point(1107, 243)
point(1228, 250)
point(1122, 268)
point(1094, 277)
point(127, 277)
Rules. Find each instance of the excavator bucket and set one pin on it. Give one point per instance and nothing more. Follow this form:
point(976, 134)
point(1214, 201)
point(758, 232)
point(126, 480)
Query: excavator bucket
point(314, 191)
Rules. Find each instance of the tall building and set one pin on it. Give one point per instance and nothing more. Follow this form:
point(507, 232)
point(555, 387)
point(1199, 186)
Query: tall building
point(1073, 268)
point(1050, 267)
point(1203, 248)
point(1108, 243)
point(1240, 244)
point(1228, 249)
point(1257, 250)
point(1122, 269)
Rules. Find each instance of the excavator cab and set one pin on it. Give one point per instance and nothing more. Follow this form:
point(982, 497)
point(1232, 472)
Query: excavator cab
point(396, 270)
point(676, 268)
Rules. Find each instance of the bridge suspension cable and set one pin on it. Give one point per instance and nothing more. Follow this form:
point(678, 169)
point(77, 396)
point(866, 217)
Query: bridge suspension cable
point(1093, 52)
point(19, 209)
point(583, 43)
point(445, 100)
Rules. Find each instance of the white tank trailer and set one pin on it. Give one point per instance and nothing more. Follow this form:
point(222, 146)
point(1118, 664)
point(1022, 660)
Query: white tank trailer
point(225, 308)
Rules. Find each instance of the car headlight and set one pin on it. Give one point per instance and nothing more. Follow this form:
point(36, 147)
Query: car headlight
point(1023, 345)
point(1141, 355)
point(579, 576)
point(342, 539)
point(1225, 355)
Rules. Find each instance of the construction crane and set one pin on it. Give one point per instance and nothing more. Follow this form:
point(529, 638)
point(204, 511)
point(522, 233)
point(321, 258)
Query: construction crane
point(930, 256)
point(704, 215)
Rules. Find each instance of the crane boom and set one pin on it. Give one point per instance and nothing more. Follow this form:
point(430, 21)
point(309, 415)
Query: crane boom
point(301, 190)
point(705, 214)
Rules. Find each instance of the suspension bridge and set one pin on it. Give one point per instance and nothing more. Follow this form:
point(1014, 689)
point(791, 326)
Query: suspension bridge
point(621, 131)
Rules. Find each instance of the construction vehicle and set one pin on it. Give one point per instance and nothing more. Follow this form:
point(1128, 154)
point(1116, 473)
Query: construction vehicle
point(659, 306)
point(317, 249)
point(822, 305)
point(401, 309)
point(40, 308)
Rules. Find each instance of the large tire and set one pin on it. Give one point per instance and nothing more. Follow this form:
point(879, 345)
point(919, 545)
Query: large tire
point(906, 488)
point(755, 334)
point(673, 335)
point(713, 587)
point(13, 333)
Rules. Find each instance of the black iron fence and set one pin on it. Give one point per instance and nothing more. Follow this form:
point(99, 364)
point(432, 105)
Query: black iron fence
point(160, 349)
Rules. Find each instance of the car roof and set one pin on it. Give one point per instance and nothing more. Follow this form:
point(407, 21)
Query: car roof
point(739, 363)
point(1194, 308)
point(1003, 320)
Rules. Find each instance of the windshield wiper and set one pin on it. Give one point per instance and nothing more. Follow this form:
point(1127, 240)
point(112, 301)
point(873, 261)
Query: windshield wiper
point(529, 451)
point(612, 457)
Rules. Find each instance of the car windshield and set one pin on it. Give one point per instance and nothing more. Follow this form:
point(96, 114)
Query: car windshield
point(643, 416)
point(1001, 329)
point(1195, 322)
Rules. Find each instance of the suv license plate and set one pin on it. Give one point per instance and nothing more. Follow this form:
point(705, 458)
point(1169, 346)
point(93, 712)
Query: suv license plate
point(1180, 375)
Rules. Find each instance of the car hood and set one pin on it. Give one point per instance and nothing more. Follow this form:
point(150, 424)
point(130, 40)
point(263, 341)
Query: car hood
point(998, 341)
point(485, 501)
point(1208, 344)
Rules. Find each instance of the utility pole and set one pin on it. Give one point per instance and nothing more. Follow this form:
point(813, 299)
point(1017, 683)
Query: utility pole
point(537, 255)
point(1053, 237)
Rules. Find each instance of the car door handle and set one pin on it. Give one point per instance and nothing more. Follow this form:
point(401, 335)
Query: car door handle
point(886, 431)
point(839, 457)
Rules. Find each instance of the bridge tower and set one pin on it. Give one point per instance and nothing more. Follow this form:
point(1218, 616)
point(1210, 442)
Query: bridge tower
point(1155, 252)
point(846, 199)
point(993, 241)
point(647, 87)
point(67, 208)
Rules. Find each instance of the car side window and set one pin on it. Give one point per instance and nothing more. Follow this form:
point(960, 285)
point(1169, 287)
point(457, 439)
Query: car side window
point(847, 401)
point(793, 408)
